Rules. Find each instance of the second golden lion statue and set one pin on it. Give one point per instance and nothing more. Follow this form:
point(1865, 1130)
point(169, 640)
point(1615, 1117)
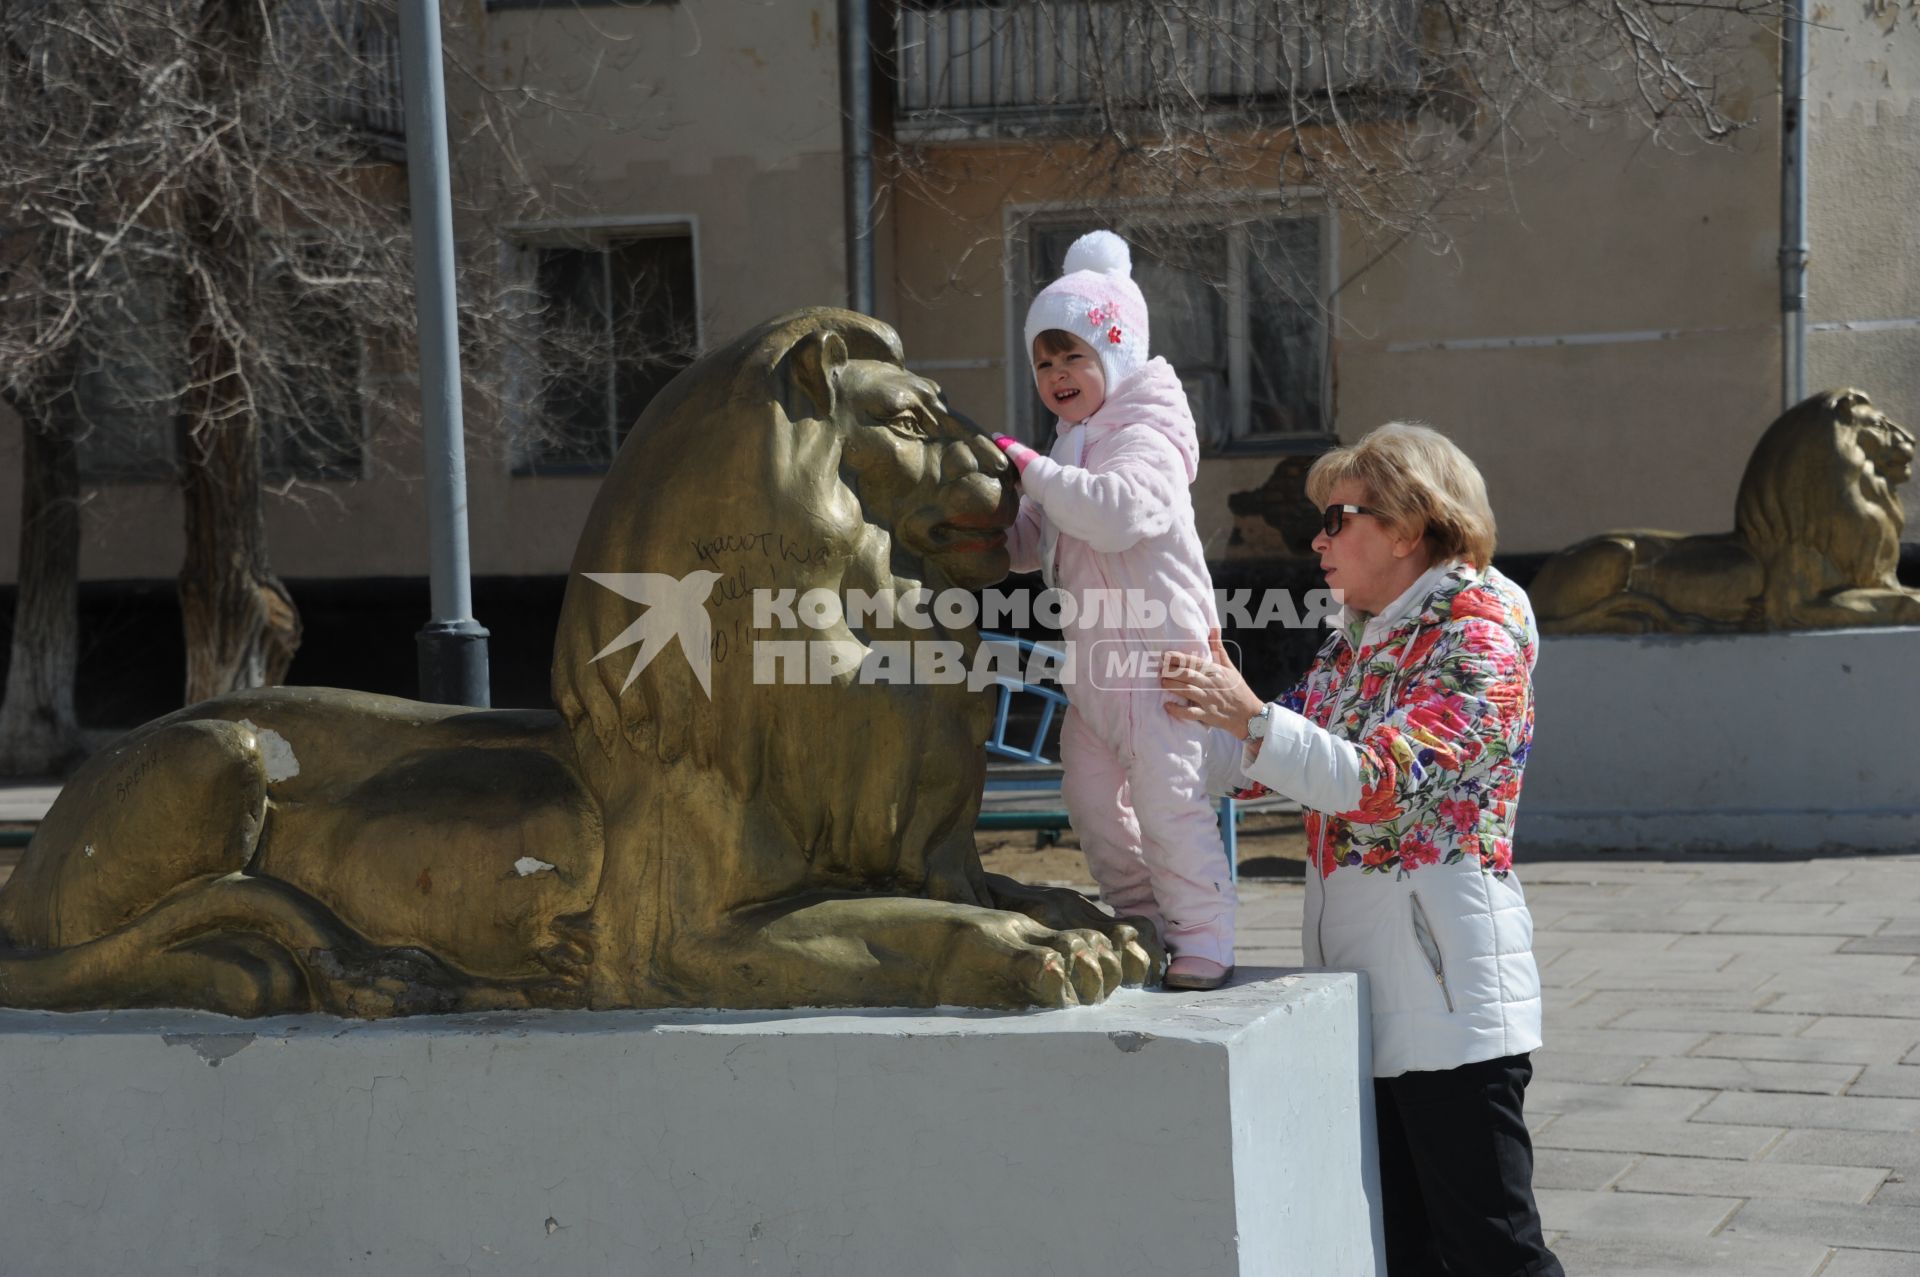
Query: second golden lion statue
point(678, 834)
point(1815, 542)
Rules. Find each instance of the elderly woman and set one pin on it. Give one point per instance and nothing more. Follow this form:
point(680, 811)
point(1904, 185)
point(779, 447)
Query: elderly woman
point(1405, 743)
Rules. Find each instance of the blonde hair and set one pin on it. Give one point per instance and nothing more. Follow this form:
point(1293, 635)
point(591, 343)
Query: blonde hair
point(1415, 478)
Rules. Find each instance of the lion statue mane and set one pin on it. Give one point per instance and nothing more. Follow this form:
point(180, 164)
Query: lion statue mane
point(685, 831)
point(1815, 542)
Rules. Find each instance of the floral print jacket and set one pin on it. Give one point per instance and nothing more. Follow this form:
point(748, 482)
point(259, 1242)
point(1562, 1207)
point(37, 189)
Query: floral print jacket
point(1440, 713)
point(1405, 744)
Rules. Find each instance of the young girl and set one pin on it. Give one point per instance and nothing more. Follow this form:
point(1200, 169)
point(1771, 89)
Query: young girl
point(1109, 514)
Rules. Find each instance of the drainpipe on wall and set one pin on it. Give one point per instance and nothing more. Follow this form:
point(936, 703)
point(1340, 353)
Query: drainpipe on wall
point(452, 647)
point(1793, 202)
point(856, 141)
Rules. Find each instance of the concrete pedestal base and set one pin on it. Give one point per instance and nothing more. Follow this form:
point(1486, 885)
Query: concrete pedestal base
point(1192, 1134)
point(1787, 742)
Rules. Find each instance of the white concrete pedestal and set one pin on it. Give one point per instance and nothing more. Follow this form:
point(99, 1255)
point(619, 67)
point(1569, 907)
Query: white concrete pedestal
point(1223, 1133)
point(1743, 742)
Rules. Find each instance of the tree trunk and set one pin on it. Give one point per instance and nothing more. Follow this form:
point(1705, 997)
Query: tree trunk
point(242, 628)
point(39, 732)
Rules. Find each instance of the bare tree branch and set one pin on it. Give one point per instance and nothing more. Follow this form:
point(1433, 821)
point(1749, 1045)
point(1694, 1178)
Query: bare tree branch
point(206, 269)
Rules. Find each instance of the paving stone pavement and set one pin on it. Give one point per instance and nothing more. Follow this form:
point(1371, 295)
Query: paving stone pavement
point(1731, 1077)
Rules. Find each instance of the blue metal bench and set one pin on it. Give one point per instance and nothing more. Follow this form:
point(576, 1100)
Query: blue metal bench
point(1017, 767)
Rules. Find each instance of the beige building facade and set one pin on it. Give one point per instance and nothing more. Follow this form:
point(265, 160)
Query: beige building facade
point(716, 125)
point(1864, 206)
point(1602, 335)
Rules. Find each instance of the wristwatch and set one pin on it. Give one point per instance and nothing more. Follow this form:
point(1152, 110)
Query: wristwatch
point(1257, 725)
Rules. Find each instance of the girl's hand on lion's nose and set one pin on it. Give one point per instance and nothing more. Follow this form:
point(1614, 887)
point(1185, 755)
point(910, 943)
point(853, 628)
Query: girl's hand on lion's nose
point(1017, 452)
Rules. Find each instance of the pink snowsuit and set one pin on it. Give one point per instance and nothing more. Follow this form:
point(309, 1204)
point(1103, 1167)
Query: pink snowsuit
point(1112, 506)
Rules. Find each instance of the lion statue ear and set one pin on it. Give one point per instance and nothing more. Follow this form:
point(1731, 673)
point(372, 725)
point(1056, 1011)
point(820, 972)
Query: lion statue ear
point(814, 369)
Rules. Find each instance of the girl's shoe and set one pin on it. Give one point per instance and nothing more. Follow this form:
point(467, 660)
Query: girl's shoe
point(1195, 974)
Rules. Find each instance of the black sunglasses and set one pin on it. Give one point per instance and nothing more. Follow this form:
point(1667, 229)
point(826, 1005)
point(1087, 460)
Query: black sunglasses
point(1334, 517)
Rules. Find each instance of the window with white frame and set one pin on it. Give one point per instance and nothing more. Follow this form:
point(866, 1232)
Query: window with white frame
point(1237, 304)
point(611, 320)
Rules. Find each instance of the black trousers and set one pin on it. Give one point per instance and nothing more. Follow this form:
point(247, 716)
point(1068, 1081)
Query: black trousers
point(1456, 1173)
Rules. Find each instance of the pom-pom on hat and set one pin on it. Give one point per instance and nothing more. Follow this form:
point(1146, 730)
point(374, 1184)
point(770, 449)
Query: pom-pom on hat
point(1097, 301)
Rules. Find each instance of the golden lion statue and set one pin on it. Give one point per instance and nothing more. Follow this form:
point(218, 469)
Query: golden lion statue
point(680, 833)
point(1815, 542)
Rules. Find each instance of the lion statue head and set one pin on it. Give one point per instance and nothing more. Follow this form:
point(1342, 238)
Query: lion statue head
point(802, 456)
point(1817, 504)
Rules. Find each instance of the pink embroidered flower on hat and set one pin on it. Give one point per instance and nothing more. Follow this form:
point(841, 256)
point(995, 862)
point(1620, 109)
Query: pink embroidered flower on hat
point(1113, 335)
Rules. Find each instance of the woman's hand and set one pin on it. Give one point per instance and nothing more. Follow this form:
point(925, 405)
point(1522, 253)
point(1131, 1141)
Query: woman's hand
point(1209, 692)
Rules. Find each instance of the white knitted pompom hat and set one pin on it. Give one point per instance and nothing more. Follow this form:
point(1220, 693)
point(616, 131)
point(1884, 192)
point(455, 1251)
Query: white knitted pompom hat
point(1097, 301)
